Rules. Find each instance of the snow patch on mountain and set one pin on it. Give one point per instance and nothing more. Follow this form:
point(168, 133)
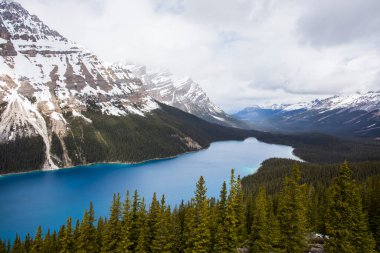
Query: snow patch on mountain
point(181, 92)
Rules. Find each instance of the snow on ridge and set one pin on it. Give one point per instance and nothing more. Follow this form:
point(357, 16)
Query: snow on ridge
point(368, 102)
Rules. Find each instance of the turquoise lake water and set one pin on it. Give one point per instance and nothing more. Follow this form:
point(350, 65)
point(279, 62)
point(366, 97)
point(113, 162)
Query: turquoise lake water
point(48, 198)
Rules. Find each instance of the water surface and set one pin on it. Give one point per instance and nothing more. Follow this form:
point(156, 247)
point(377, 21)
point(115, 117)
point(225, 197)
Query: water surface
point(48, 198)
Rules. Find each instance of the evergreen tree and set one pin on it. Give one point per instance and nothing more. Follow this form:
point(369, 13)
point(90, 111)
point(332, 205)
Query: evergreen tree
point(220, 244)
point(153, 224)
point(67, 239)
point(264, 231)
point(180, 239)
point(48, 245)
point(292, 213)
point(373, 209)
point(112, 233)
point(346, 223)
point(162, 241)
point(76, 236)
point(200, 236)
point(27, 243)
point(141, 244)
point(231, 220)
point(87, 239)
point(126, 226)
point(2, 247)
point(17, 245)
point(38, 242)
point(100, 231)
point(60, 236)
point(135, 221)
point(240, 213)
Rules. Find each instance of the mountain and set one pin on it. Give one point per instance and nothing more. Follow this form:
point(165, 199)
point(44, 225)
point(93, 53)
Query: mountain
point(61, 105)
point(180, 92)
point(355, 115)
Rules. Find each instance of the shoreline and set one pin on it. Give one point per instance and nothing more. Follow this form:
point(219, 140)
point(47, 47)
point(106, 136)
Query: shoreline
point(139, 162)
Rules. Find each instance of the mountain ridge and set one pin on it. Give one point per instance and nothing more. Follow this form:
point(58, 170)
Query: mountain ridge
point(53, 92)
point(355, 115)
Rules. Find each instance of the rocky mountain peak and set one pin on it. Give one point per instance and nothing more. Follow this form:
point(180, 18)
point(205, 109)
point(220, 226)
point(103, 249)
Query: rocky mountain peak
point(21, 25)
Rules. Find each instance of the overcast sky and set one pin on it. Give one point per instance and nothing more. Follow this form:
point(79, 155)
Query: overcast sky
point(242, 52)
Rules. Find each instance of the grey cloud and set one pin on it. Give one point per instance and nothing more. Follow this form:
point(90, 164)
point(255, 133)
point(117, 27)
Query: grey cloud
point(240, 51)
point(331, 23)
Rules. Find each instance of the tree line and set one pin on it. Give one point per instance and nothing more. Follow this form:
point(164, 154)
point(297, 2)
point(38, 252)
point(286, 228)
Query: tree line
point(258, 222)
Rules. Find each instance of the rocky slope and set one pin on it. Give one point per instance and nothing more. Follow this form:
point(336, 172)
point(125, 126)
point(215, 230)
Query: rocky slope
point(353, 115)
point(182, 93)
point(58, 99)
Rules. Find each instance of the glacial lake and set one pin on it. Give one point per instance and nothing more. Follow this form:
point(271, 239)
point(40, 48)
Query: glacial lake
point(48, 198)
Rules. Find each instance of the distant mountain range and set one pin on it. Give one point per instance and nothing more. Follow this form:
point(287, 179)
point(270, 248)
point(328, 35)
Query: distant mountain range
point(61, 105)
point(355, 115)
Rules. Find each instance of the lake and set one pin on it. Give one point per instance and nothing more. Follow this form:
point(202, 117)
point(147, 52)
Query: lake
point(47, 198)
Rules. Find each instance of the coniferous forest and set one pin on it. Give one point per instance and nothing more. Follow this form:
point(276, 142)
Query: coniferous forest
point(341, 215)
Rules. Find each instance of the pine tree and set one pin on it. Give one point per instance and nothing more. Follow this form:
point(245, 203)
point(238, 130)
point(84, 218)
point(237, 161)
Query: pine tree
point(135, 221)
point(100, 231)
point(38, 241)
point(112, 234)
point(264, 231)
point(60, 235)
point(231, 220)
point(87, 239)
point(240, 213)
point(159, 221)
point(200, 236)
point(292, 213)
point(153, 224)
point(48, 245)
point(2, 247)
point(373, 199)
point(126, 226)
point(17, 245)
point(220, 244)
point(346, 224)
point(141, 243)
point(76, 236)
point(27, 243)
point(67, 239)
point(180, 239)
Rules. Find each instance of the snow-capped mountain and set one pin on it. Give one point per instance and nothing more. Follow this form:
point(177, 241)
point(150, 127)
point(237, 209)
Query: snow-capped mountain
point(180, 92)
point(44, 75)
point(61, 105)
point(356, 115)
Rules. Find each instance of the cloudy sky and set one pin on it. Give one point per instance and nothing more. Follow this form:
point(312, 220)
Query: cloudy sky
point(242, 52)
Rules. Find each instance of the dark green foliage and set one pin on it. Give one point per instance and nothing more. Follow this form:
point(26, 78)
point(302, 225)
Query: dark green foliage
point(136, 138)
point(87, 241)
point(372, 207)
point(67, 243)
point(322, 148)
point(22, 155)
point(346, 224)
point(265, 234)
point(272, 172)
point(292, 213)
point(38, 242)
point(112, 233)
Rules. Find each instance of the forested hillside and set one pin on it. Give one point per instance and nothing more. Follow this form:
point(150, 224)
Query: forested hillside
point(343, 211)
